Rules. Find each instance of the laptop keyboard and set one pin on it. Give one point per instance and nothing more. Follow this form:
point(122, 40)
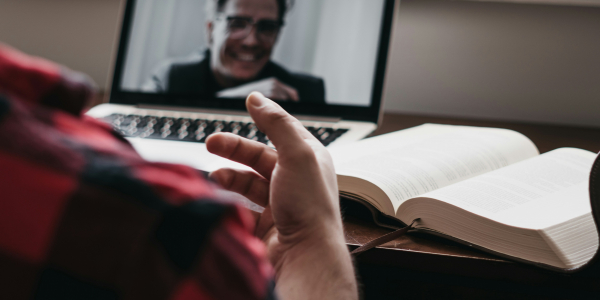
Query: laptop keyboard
point(197, 130)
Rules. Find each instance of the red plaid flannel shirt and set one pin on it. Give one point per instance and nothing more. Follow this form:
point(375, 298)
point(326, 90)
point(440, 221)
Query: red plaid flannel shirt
point(83, 216)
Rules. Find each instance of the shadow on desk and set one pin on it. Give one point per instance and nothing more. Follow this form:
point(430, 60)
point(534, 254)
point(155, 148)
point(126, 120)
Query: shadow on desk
point(421, 266)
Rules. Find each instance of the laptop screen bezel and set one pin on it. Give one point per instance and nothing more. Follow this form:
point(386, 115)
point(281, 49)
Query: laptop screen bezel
point(354, 113)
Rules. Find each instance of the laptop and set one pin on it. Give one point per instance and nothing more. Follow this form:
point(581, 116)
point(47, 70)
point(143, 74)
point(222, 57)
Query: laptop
point(183, 69)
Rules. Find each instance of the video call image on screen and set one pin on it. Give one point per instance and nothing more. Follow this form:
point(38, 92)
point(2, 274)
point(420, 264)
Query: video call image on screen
point(312, 51)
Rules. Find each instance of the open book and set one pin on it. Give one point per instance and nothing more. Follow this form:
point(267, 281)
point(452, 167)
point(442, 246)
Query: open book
point(485, 187)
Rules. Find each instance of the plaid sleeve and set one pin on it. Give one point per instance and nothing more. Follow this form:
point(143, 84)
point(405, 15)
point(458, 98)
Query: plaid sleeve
point(82, 216)
point(36, 81)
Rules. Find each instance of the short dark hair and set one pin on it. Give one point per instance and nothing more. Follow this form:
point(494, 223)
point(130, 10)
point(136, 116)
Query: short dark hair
point(284, 6)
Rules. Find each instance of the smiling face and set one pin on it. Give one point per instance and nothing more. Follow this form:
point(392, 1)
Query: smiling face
point(238, 60)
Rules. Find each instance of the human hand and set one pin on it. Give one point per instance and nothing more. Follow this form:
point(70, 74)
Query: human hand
point(269, 87)
point(301, 225)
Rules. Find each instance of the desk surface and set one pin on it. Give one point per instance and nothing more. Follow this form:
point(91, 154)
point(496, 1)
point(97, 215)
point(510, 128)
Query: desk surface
point(425, 253)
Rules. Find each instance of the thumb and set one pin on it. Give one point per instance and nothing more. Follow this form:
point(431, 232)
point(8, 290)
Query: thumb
point(285, 132)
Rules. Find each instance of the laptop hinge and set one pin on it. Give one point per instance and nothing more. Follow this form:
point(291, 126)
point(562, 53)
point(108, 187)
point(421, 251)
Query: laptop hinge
point(234, 112)
point(317, 118)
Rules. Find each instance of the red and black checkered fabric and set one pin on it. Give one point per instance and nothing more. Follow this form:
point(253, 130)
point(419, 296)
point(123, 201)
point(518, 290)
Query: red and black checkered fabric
point(83, 216)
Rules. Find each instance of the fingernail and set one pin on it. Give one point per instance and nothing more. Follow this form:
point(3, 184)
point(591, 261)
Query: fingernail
point(257, 100)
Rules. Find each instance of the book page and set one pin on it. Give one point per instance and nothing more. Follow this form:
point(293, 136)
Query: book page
point(537, 193)
point(412, 162)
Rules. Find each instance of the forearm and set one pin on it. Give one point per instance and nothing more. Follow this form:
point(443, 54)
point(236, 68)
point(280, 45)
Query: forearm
point(318, 269)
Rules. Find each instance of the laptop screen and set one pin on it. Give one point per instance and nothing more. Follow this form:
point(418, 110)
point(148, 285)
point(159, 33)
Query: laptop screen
point(314, 57)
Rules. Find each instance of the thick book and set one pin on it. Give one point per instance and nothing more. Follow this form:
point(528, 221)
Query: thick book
point(484, 187)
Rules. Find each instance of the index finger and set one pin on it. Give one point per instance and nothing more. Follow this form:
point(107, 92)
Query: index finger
point(253, 154)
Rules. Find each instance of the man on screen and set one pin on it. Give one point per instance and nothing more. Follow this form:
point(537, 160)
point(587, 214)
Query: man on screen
point(241, 37)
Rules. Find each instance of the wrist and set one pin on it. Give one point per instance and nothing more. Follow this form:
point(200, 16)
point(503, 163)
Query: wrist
point(312, 233)
point(321, 265)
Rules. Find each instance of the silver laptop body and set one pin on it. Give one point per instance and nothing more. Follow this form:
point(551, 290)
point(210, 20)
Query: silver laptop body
point(166, 89)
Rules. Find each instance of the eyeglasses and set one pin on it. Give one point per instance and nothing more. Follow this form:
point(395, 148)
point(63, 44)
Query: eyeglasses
point(240, 27)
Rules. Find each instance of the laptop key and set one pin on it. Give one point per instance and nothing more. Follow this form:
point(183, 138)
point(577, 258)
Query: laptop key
point(197, 130)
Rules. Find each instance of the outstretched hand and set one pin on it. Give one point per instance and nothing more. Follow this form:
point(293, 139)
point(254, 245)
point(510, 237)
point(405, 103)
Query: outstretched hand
point(301, 225)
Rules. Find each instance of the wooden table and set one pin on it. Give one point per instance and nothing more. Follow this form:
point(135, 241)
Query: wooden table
point(426, 267)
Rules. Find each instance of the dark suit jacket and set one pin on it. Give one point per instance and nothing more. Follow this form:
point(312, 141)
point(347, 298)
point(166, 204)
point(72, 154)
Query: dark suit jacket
point(193, 76)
